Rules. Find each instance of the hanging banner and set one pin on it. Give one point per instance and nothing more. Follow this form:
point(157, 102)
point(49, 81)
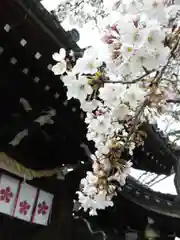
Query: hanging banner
point(43, 208)
point(23, 201)
point(8, 193)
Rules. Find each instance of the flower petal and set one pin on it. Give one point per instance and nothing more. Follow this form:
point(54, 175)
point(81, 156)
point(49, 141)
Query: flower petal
point(59, 56)
point(59, 68)
point(62, 53)
point(56, 57)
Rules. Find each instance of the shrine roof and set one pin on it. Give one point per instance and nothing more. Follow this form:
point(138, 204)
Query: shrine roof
point(28, 40)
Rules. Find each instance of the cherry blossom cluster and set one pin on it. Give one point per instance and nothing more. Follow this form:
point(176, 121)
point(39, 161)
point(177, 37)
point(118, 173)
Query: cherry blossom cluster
point(121, 85)
point(80, 12)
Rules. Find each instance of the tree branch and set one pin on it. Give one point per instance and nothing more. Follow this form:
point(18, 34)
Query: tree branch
point(173, 100)
point(174, 132)
point(133, 81)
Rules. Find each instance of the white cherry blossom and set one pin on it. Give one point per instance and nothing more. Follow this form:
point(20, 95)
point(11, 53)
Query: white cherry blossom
point(89, 106)
point(68, 79)
point(111, 93)
point(155, 37)
point(87, 65)
point(125, 69)
point(134, 95)
point(127, 51)
point(59, 56)
point(143, 59)
point(128, 80)
point(162, 55)
point(59, 68)
point(82, 88)
point(120, 111)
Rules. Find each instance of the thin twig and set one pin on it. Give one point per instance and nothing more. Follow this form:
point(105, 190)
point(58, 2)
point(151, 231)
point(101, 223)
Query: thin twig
point(140, 111)
point(173, 100)
point(133, 81)
point(104, 236)
point(77, 5)
point(174, 132)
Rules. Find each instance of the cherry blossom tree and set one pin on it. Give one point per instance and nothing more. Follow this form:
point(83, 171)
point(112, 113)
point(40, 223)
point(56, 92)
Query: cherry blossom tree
point(132, 79)
point(79, 12)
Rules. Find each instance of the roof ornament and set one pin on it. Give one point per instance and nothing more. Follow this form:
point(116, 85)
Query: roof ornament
point(74, 34)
